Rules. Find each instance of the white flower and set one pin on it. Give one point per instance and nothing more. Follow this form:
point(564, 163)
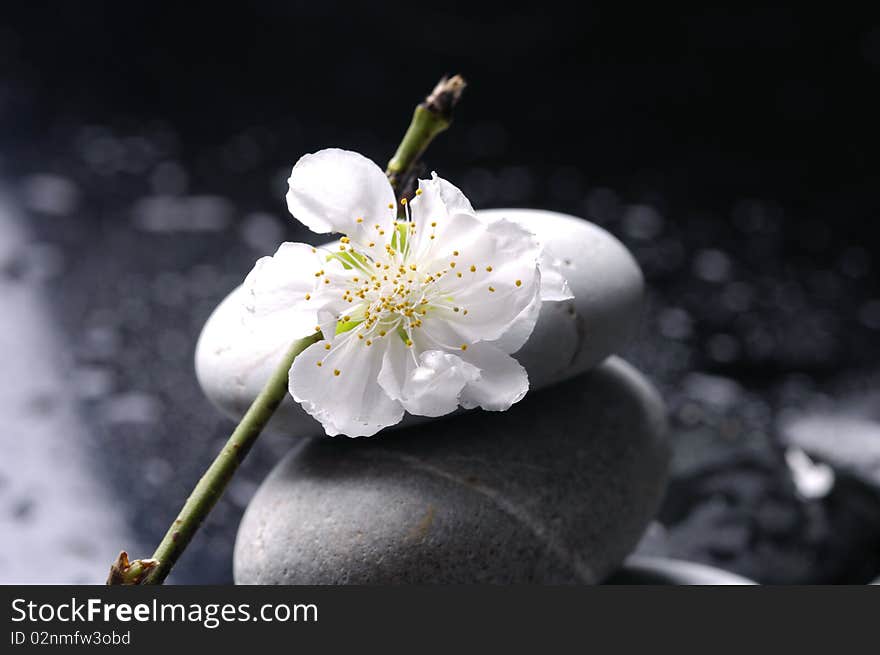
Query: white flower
point(417, 315)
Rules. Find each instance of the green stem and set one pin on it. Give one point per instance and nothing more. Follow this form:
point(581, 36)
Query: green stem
point(431, 117)
point(424, 127)
point(214, 481)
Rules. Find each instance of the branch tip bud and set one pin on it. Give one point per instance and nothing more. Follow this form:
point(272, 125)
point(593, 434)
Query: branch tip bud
point(123, 572)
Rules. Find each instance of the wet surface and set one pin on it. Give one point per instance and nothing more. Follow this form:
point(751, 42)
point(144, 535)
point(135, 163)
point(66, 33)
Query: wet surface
point(60, 522)
point(762, 332)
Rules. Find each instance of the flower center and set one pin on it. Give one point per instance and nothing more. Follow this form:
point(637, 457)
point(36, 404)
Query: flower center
point(394, 287)
point(392, 293)
point(394, 290)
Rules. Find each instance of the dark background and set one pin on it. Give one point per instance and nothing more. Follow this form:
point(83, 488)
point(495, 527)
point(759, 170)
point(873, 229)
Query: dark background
point(733, 150)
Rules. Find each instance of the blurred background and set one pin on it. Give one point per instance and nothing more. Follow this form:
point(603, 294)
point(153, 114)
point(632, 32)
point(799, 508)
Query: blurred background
point(144, 148)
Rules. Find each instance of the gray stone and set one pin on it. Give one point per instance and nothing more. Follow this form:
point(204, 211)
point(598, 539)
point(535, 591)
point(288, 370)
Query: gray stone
point(847, 439)
point(641, 570)
point(556, 490)
point(569, 338)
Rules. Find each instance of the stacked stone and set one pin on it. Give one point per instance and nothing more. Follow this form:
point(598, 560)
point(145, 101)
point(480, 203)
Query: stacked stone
point(558, 489)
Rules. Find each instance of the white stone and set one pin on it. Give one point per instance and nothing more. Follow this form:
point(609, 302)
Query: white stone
point(569, 338)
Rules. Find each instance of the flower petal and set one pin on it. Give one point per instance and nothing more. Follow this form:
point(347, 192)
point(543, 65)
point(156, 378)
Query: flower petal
point(331, 189)
point(502, 381)
point(439, 198)
point(342, 392)
point(519, 331)
point(432, 388)
point(496, 276)
point(398, 363)
point(432, 210)
point(278, 294)
point(554, 286)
